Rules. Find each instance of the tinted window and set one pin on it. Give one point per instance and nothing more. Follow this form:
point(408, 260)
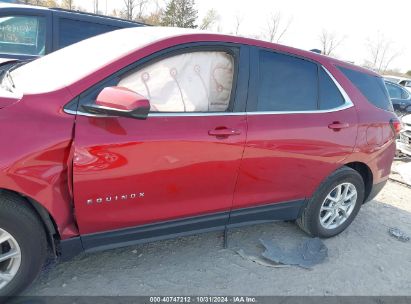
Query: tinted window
point(330, 95)
point(190, 82)
point(286, 83)
point(22, 35)
point(405, 94)
point(372, 87)
point(72, 31)
point(394, 91)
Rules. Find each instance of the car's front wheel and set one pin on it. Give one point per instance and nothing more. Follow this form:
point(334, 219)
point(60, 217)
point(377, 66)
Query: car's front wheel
point(23, 245)
point(334, 205)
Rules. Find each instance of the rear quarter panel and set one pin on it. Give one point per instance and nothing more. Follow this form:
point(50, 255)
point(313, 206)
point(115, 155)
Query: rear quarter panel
point(375, 145)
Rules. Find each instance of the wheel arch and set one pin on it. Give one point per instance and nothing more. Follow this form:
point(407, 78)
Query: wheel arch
point(365, 171)
point(43, 215)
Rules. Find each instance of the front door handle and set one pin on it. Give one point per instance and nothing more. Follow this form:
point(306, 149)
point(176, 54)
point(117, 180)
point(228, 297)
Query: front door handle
point(223, 132)
point(337, 126)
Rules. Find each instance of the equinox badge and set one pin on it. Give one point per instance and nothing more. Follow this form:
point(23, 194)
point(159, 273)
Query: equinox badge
point(114, 198)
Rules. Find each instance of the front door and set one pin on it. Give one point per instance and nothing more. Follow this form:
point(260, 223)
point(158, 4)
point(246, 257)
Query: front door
point(182, 161)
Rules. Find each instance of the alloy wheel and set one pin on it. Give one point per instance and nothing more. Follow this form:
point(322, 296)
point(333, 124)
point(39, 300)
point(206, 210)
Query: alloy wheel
point(338, 206)
point(10, 258)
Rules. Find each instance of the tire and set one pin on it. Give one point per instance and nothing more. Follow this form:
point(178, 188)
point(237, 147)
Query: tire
point(310, 221)
point(21, 223)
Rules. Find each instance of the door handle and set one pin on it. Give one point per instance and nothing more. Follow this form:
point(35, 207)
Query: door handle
point(223, 132)
point(337, 126)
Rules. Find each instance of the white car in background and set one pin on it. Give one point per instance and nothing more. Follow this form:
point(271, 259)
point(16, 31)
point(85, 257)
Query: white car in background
point(405, 82)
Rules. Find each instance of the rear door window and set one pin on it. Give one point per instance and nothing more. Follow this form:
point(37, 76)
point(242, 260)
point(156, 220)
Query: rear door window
point(286, 83)
point(22, 35)
point(72, 31)
point(372, 87)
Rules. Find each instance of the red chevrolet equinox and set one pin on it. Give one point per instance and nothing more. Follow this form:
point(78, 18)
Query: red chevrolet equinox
point(150, 133)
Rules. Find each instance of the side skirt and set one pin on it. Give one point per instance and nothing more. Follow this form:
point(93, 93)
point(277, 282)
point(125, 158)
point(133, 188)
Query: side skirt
point(182, 227)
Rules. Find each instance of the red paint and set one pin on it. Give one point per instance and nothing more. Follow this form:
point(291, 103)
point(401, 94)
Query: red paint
point(185, 166)
point(121, 98)
point(181, 171)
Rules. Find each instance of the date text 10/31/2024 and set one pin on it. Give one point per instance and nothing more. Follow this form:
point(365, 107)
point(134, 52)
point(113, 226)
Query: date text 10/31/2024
point(204, 299)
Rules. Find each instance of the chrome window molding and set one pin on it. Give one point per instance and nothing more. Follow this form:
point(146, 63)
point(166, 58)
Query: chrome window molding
point(348, 104)
point(348, 101)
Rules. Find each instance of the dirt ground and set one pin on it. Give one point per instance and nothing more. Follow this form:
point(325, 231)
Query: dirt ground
point(363, 260)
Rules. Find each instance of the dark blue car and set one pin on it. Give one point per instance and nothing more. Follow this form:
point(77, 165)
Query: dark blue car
point(27, 32)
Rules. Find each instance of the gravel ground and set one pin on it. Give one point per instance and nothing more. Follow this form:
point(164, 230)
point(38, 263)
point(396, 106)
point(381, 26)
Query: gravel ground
point(363, 260)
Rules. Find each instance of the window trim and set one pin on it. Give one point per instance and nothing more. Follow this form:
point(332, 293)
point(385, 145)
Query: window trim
point(238, 96)
point(254, 87)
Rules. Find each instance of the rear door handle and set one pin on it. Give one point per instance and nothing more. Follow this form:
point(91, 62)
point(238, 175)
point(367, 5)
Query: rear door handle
point(337, 126)
point(223, 132)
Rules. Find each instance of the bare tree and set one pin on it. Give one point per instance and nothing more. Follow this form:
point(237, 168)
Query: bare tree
point(275, 28)
point(381, 53)
point(134, 9)
point(330, 42)
point(96, 6)
point(33, 2)
point(238, 21)
point(68, 4)
point(209, 19)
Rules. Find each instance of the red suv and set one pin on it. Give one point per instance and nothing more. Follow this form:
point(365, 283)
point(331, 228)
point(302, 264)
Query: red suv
point(149, 133)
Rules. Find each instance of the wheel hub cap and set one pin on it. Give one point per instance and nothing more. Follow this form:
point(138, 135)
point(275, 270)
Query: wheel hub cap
point(10, 258)
point(338, 206)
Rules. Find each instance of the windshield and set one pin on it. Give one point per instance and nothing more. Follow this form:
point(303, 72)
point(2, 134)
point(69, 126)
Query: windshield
point(22, 35)
point(68, 65)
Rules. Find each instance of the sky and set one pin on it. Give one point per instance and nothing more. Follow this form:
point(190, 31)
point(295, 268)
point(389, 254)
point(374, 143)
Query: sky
point(357, 21)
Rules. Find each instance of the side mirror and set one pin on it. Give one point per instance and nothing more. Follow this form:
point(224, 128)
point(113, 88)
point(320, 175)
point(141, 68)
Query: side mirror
point(119, 101)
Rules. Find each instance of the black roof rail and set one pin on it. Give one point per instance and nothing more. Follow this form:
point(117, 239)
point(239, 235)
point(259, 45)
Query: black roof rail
point(316, 51)
point(97, 15)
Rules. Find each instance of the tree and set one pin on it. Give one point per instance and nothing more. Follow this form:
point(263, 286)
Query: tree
point(180, 13)
point(275, 28)
point(329, 42)
point(33, 2)
point(134, 9)
point(47, 3)
point(50, 3)
point(381, 53)
point(209, 19)
point(96, 2)
point(238, 21)
point(155, 17)
point(68, 4)
point(408, 73)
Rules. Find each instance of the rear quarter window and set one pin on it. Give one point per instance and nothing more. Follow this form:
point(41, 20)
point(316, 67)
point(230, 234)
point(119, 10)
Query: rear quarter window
point(372, 87)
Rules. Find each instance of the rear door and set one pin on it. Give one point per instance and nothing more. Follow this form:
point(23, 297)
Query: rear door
point(301, 125)
point(183, 160)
